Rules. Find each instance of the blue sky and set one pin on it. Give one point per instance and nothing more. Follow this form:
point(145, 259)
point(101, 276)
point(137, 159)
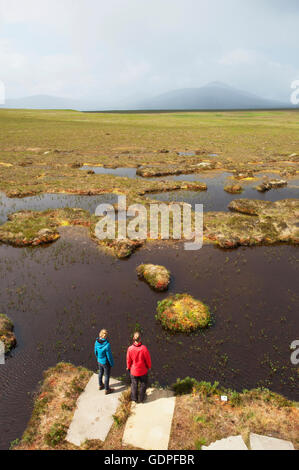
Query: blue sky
point(128, 49)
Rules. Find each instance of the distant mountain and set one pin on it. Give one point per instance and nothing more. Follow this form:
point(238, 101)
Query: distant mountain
point(55, 102)
point(215, 95)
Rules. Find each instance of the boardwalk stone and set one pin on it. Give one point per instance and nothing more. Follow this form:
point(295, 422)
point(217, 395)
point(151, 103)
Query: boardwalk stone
point(93, 417)
point(230, 443)
point(149, 425)
point(258, 442)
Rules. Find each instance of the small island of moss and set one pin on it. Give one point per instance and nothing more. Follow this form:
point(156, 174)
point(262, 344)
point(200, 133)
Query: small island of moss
point(6, 333)
point(183, 313)
point(158, 277)
point(234, 189)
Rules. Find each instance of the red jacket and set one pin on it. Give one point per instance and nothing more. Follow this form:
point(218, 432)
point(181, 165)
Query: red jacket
point(138, 359)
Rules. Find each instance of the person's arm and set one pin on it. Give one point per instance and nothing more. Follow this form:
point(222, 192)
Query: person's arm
point(129, 360)
point(96, 349)
point(148, 359)
point(110, 356)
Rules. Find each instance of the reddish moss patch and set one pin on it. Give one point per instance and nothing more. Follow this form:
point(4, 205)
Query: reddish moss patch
point(183, 313)
point(158, 277)
point(120, 248)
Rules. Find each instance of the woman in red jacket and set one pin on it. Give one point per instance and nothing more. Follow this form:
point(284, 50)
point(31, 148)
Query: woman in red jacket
point(138, 363)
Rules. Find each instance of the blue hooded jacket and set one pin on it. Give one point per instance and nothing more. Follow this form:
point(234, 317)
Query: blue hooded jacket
point(103, 352)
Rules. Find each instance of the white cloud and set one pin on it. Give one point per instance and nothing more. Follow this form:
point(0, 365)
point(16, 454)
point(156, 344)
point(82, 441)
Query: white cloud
point(114, 49)
point(132, 72)
point(61, 74)
point(239, 57)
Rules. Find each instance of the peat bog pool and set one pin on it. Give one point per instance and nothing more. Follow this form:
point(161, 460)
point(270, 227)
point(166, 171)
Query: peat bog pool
point(216, 199)
point(53, 201)
point(121, 171)
point(60, 296)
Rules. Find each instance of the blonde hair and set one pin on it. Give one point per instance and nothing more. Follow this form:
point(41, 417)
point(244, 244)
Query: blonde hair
point(103, 334)
point(137, 336)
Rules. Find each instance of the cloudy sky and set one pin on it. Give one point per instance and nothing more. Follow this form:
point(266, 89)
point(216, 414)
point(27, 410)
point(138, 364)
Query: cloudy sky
point(126, 49)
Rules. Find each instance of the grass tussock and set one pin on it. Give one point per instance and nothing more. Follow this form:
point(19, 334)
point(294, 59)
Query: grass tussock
point(54, 407)
point(201, 417)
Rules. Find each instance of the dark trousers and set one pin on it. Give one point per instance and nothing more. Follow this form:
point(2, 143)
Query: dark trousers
point(104, 370)
point(135, 381)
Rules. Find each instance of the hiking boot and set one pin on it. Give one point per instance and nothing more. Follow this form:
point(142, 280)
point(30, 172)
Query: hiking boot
point(110, 390)
point(101, 387)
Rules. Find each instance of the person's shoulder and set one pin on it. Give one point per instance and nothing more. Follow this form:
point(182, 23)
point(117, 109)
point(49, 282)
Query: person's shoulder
point(144, 347)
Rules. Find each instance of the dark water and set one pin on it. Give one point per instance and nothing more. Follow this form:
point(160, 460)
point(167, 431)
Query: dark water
point(121, 171)
point(216, 199)
point(59, 297)
point(186, 154)
point(52, 201)
point(193, 154)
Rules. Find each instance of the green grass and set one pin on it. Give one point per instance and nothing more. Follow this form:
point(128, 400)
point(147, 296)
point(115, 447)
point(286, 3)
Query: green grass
point(237, 135)
point(50, 143)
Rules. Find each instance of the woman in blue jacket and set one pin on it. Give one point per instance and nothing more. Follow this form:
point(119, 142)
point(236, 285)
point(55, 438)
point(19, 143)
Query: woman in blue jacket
point(105, 360)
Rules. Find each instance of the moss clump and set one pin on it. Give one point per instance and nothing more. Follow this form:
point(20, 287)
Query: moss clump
point(120, 248)
point(32, 228)
point(267, 185)
point(183, 313)
point(254, 223)
point(158, 277)
point(6, 333)
point(26, 229)
point(234, 189)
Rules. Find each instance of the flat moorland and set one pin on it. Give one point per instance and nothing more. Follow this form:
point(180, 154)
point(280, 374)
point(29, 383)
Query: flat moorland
point(44, 151)
point(48, 147)
point(56, 167)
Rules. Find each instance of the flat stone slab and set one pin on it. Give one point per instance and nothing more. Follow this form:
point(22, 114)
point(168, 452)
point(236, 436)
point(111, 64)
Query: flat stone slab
point(258, 442)
point(93, 416)
point(149, 425)
point(230, 443)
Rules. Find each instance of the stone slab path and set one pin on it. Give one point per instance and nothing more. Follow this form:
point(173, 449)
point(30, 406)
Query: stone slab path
point(149, 425)
point(258, 442)
point(93, 416)
point(230, 443)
